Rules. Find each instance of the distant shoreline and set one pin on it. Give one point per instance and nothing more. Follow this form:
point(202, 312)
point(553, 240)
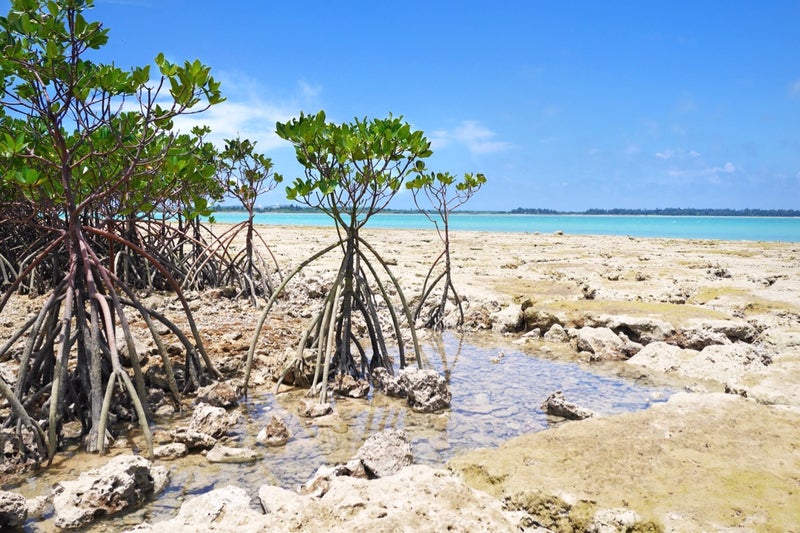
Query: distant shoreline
point(668, 212)
point(730, 228)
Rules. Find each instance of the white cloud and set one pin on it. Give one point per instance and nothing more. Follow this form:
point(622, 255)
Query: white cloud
point(478, 139)
point(254, 120)
point(679, 154)
point(712, 174)
point(247, 114)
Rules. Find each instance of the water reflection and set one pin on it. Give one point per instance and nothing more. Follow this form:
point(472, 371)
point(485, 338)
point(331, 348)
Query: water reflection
point(495, 397)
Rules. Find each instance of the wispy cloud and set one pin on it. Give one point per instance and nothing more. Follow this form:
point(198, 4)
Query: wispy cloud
point(794, 89)
point(631, 149)
point(478, 139)
point(677, 154)
point(713, 174)
point(727, 168)
point(308, 90)
point(686, 104)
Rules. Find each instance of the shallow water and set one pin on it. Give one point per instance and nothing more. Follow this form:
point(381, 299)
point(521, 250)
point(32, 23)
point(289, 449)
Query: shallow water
point(729, 228)
point(496, 396)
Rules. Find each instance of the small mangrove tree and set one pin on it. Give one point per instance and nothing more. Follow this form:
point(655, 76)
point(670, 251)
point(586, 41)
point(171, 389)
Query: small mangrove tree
point(352, 171)
point(441, 192)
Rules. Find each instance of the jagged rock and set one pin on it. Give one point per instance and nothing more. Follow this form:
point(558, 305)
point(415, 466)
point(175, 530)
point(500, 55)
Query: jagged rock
point(126, 481)
point(507, 319)
point(276, 432)
point(535, 333)
point(479, 317)
point(229, 365)
point(13, 510)
point(662, 357)
point(228, 454)
point(38, 506)
point(224, 509)
point(556, 333)
point(732, 329)
point(387, 383)
point(602, 343)
point(426, 390)
point(228, 291)
point(311, 408)
point(780, 339)
point(320, 482)
point(213, 421)
point(698, 334)
point(643, 330)
point(8, 372)
point(72, 430)
point(170, 451)
point(614, 521)
point(193, 439)
point(537, 318)
point(557, 405)
point(629, 348)
point(13, 446)
point(220, 394)
point(285, 508)
point(140, 346)
point(346, 385)
point(164, 410)
point(589, 292)
point(698, 339)
point(160, 477)
point(386, 453)
point(392, 503)
point(155, 376)
point(721, 363)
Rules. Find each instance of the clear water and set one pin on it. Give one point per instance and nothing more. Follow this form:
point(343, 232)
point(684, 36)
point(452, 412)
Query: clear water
point(496, 396)
point(772, 229)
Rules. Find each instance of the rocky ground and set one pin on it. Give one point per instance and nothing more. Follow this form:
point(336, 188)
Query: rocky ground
point(719, 319)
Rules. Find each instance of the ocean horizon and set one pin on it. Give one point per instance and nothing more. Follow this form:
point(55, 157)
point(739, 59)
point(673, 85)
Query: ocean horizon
point(729, 228)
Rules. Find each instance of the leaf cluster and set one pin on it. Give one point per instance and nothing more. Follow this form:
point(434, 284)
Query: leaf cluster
point(244, 173)
point(443, 191)
point(88, 137)
point(352, 170)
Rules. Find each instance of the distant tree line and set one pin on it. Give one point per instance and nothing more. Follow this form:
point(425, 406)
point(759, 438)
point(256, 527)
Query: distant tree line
point(262, 209)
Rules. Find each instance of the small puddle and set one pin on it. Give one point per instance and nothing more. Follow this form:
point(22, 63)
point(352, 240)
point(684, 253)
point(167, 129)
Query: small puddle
point(496, 396)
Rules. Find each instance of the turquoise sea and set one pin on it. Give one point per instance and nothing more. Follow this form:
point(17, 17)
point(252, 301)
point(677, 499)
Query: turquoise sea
point(786, 229)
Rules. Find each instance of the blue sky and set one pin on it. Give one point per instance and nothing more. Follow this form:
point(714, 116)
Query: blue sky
point(563, 105)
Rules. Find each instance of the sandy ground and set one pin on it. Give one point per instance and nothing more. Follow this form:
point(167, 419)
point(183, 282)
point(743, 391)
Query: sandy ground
point(704, 461)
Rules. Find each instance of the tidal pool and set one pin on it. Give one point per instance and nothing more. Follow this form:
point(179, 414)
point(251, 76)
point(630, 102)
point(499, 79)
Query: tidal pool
point(496, 396)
